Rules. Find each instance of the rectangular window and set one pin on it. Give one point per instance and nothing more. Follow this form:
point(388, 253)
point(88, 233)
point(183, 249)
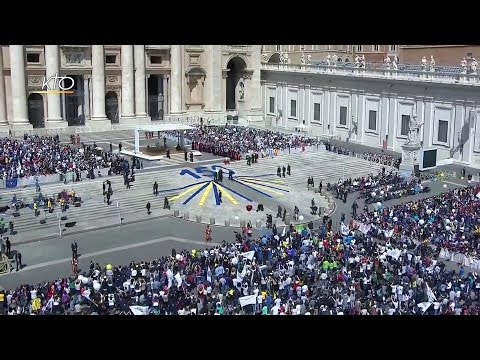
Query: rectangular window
point(110, 59)
point(372, 120)
point(405, 124)
point(154, 59)
point(272, 105)
point(33, 58)
point(293, 108)
point(442, 131)
point(376, 47)
point(359, 47)
point(343, 115)
point(316, 112)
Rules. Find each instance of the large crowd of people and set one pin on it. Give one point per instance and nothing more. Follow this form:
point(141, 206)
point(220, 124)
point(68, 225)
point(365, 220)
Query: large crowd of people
point(383, 262)
point(40, 155)
point(236, 141)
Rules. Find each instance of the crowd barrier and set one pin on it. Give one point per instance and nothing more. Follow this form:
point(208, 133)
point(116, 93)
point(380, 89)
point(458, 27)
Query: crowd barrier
point(48, 179)
point(370, 158)
point(460, 258)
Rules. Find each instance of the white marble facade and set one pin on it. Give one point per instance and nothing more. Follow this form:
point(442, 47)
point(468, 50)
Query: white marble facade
point(126, 84)
point(375, 110)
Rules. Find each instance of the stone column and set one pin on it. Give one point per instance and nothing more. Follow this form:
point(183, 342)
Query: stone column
point(19, 89)
point(166, 104)
point(98, 83)
point(176, 79)
point(54, 118)
point(214, 78)
point(254, 99)
point(3, 100)
point(86, 96)
point(139, 55)
point(128, 90)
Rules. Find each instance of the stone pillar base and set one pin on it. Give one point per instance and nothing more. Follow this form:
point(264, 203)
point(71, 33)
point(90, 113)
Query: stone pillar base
point(99, 124)
point(4, 127)
point(51, 124)
point(255, 117)
point(22, 126)
point(142, 120)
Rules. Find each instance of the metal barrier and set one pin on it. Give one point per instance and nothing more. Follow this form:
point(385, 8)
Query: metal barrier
point(50, 179)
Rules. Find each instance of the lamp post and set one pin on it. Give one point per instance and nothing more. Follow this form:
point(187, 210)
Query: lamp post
point(59, 218)
point(119, 214)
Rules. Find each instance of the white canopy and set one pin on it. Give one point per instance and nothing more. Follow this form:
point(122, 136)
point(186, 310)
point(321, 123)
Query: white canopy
point(302, 127)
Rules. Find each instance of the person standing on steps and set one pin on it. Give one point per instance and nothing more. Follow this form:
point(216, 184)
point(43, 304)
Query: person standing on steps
point(119, 147)
point(166, 204)
point(283, 170)
point(168, 154)
point(289, 170)
point(220, 196)
point(148, 208)
point(8, 246)
point(18, 260)
point(155, 188)
point(186, 155)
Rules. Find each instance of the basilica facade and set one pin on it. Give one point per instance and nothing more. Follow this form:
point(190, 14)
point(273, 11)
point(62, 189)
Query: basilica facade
point(126, 84)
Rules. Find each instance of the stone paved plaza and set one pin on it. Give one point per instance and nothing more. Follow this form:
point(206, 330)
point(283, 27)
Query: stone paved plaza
point(193, 194)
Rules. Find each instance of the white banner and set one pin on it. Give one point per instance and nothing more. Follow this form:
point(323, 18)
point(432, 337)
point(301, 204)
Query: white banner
point(139, 310)
point(248, 300)
point(249, 255)
point(424, 306)
point(431, 296)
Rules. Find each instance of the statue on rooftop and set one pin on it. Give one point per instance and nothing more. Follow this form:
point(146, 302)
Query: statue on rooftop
point(357, 61)
point(424, 63)
point(388, 62)
point(432, 64)
point(309, 59)
point(463, 64)
point(362, 61)
point(473, 66)
point(328, 59)
point(334, 59)
point(394, 63)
